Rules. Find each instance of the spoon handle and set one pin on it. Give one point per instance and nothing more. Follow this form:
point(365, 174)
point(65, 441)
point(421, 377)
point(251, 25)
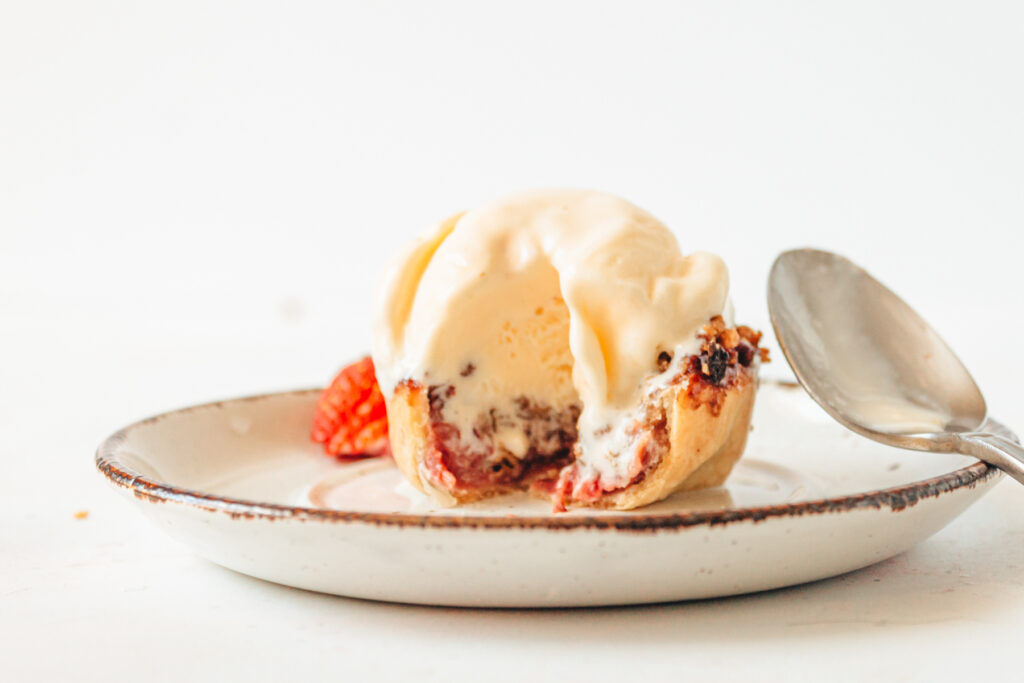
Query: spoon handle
point(996, 450)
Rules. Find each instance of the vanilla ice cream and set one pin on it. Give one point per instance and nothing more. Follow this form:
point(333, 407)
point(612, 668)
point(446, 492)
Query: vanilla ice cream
point(561, 300)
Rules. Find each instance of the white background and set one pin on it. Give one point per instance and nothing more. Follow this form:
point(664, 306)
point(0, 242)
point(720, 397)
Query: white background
point(196, 199)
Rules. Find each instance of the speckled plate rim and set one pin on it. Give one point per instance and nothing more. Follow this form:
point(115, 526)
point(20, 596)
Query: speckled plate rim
point(143, 487)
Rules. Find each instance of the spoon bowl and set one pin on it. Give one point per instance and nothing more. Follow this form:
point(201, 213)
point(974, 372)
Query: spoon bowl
point(875, 365)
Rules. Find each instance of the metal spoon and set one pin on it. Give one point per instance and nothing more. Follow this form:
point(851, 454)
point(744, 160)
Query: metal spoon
point(869, 360)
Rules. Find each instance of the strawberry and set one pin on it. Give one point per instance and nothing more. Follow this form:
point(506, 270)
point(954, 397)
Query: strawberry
point(350, 418)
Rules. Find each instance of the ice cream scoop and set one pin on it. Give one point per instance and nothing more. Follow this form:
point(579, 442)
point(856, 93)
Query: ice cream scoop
point(565, 296)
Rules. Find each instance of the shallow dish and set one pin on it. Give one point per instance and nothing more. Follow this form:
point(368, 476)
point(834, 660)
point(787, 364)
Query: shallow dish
point(240, 482)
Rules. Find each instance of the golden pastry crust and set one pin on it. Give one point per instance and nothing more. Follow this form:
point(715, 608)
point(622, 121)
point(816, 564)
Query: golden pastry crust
point(703, 448)
point(408, 428)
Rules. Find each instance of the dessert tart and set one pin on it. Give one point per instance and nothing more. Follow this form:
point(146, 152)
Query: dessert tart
point(558, 341)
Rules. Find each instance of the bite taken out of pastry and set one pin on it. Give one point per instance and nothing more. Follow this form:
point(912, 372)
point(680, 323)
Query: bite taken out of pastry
point(559, 341)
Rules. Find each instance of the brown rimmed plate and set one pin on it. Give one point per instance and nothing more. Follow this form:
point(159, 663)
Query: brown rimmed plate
point(240, 482)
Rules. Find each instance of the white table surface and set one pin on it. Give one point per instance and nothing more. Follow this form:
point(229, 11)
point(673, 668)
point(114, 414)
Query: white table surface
point(195, 199)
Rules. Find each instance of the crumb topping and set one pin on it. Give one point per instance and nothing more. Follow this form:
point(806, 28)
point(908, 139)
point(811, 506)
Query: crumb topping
point(724, 352)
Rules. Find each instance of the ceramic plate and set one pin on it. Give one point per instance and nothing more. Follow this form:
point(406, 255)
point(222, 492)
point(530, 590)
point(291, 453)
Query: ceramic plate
point(240, 482)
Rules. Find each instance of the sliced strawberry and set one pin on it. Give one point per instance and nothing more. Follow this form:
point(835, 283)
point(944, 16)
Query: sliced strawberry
point(351, 419)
